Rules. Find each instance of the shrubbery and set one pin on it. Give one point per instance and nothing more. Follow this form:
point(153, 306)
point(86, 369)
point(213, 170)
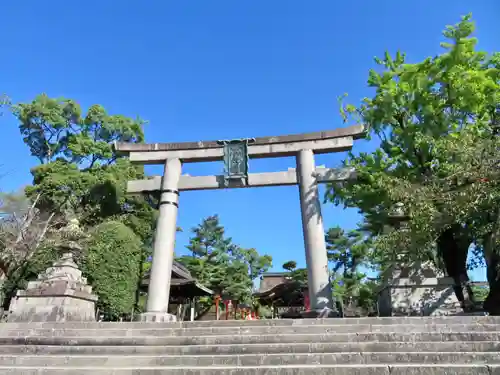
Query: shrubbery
point(111, 265)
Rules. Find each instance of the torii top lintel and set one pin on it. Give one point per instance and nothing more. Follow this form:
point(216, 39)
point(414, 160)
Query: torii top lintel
point(320, 142)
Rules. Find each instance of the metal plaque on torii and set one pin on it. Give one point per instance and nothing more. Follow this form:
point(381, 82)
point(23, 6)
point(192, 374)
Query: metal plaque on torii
point(236, 160)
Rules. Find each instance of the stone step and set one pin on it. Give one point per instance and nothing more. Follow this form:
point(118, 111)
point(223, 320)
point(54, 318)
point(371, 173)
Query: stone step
point(400, 369)
point(347, 358)
point(280, 348)
point(275, 322)
point(252, 339)
point(246, 330)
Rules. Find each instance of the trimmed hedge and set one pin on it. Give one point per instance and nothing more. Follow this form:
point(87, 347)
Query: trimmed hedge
point(111, 266)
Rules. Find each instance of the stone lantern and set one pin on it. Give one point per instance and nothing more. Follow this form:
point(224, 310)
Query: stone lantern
point(414, 287)
point(61, 293)
point(70, 236)
point(398, 217)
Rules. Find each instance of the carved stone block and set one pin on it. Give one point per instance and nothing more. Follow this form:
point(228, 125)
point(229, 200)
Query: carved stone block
point(418, 289)
point(60, 294)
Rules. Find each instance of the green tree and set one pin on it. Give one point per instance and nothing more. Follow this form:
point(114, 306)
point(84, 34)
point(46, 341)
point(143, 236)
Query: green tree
point(210, 251)
point(290, 265)
point(55, 128)
point(208, 239)
point(79, 172)
point(78, 168)
point(298, 277)
point(348, 252)
point(438, 123)
point(4, 102)
point(221, 265)
point(110, 264)
point(27, 242)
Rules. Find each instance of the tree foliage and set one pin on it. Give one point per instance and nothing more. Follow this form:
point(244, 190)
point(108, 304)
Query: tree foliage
point(438, 122)
point(221, 265)
point(348, 252)
point(55, 128)
point(422, 113)
point(290, 265)
point(27, 238)
point(111, 267)
point(79, 175)
point(79, 171)
point(481, 292)
point(296, 275)
point(4, 102)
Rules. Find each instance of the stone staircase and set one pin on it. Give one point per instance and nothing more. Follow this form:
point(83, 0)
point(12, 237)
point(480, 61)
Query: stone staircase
point(461, 345)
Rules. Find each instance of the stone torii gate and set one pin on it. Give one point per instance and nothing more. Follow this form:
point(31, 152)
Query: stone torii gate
point(235, 155)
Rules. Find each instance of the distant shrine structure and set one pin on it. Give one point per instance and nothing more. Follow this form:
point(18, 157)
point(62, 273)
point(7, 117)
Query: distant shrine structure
point(236, 155)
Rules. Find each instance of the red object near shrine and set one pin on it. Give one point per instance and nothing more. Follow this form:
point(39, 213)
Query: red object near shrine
point(226, 304)
point(307, 302)
point(217, 300)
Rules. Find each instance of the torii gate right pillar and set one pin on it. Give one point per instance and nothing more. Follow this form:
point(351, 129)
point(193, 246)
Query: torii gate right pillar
point(320, 289)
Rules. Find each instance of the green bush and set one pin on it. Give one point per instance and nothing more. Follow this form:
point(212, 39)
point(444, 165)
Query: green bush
point(480, 292)
point(111, 265)
point(19, 274)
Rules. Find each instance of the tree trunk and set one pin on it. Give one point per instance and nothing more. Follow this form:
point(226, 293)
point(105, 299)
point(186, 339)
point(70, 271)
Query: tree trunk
point(453, 248)
point(491, 250)
point(492, 302)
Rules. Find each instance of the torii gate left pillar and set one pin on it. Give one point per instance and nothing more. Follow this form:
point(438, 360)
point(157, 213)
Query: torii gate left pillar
point(318, 274)
point(164, 243)
point(306, 175)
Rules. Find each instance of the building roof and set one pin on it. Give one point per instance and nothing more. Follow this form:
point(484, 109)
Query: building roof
point(181, 271)
point(188, 288)
point(182, 284)
point(269, 280)
point(278, 288)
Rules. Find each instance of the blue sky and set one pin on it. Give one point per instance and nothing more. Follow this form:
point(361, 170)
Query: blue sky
point(201, 70)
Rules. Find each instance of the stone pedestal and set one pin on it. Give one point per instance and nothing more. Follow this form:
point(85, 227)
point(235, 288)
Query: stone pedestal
point(418, 290)
point(61, 294)
point(153, 317)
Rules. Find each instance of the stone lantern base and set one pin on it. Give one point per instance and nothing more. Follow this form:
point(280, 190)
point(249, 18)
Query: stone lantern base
point(152, 317)
point(418, 290)
point(60, 294)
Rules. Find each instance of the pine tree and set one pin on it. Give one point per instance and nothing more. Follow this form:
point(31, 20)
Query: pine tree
point(221, 265)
